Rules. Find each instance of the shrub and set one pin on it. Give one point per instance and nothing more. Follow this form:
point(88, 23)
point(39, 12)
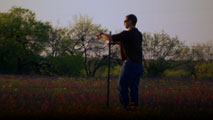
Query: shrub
point(103, 71)
point(204, 70)
point(115, 71)
point(64, 64)
point(176, 74)
point(155, 68)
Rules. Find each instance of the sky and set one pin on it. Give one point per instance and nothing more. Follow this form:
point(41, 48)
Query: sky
point(190, 20)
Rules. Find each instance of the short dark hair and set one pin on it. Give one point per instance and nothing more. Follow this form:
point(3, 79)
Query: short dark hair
point(133, 18)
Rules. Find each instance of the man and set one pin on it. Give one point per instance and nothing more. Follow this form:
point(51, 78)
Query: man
point(130, 42)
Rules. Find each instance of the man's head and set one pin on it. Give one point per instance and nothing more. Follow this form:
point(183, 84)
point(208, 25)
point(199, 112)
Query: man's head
point(130, 21)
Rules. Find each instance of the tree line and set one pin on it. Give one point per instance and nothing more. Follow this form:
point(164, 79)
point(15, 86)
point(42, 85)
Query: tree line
point(30, 46)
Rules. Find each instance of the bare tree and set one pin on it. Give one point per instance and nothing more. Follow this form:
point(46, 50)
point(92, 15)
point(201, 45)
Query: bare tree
point(91, 48)
point(158, 50)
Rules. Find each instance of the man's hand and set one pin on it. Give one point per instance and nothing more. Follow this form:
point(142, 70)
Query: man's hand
point(99, 34)
point(104, 36)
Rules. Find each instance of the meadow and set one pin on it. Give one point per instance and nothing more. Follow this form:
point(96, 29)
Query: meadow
point(75, 97)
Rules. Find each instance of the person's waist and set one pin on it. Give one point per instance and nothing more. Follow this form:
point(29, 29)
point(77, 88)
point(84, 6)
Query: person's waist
point(136, 62)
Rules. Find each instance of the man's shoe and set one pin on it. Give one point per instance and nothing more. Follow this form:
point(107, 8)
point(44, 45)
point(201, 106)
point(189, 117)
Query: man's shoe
point(132, 108)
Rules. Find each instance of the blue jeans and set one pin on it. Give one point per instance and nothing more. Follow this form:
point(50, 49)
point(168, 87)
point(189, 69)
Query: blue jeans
point(129, 78)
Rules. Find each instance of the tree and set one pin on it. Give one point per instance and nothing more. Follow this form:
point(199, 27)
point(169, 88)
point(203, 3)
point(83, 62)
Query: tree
point(56, 44)
point(22, 39)
point(158, 50)
point(202, 51)
point(85, 43)
point(198, 54)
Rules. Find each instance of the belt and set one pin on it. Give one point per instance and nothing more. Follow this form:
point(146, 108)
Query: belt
point(131, 61)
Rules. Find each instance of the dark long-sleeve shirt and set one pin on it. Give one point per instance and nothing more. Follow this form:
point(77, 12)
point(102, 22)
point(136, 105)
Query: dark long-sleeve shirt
point(130, 44)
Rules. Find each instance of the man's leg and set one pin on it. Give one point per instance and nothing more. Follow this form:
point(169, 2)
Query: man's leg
point(134, 91)
point(123, 84)
point(123, 96)
point(135, 85)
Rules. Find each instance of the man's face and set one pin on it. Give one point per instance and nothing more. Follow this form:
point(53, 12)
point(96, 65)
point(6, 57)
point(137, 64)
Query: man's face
point(126, 23)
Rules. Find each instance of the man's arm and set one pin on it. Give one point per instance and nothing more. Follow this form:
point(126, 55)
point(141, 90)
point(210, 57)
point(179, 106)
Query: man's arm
point(104, 36)
point(116, 37)
point(107, 37)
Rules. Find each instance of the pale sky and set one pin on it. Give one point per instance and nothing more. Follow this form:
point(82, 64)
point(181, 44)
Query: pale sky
point(190, 20)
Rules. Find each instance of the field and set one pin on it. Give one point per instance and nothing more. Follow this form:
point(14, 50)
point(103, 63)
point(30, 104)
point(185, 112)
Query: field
point(39, 96)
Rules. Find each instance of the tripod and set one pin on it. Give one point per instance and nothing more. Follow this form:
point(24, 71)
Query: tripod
point(108, 78)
